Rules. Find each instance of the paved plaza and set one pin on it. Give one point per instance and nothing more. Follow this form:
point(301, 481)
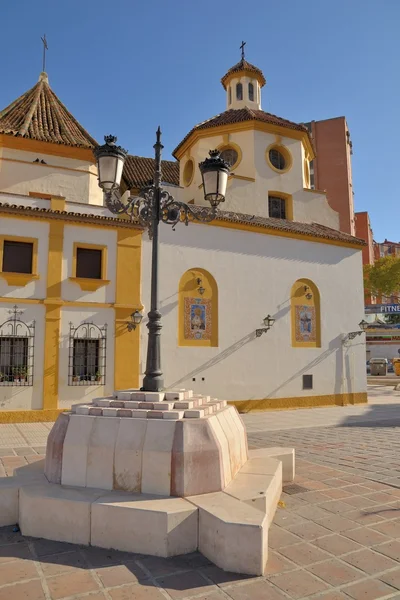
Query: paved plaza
point(336, 533)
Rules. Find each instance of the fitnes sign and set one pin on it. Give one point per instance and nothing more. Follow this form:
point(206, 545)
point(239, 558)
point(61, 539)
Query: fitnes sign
point(385, 309)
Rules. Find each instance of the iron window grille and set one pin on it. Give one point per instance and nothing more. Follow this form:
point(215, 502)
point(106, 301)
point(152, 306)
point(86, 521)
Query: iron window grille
point(87, 354)
point(239, 91)
point(17, 342)
point(251, 92)
point(276, 207)
point(277, 159)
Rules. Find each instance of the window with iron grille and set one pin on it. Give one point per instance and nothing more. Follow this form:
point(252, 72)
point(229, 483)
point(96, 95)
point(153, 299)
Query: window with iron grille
point(251, 91)
point(239, 91)
point(89, 263)
point(277, 159)
point(87, 354)
point(17, 257)
point(16, 350)
point(276, 207)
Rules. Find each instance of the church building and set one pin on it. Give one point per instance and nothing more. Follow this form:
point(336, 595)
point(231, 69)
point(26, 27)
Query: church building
point(72, 273)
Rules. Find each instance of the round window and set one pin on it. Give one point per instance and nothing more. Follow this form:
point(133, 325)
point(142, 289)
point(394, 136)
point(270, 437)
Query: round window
point(277, 159)
point(188, 172)
point(230, 156)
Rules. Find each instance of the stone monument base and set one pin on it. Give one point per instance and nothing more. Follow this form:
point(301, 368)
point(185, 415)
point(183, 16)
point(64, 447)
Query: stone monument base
point(153, 484)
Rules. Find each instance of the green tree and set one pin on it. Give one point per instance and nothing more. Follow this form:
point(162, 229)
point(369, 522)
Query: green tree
point(383, 278)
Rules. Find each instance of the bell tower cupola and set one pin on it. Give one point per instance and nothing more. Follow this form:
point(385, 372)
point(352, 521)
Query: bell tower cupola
point(243, 83)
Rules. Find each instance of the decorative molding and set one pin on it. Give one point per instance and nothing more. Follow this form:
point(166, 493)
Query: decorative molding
point(88, 284)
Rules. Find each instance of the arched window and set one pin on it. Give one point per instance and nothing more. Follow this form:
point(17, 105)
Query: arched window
point(251, 91)
point(306, 314)
point(239, 91)
point(198, 309)
point(230, 94)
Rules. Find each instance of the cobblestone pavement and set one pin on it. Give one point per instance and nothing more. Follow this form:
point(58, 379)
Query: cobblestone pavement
point(335, 536)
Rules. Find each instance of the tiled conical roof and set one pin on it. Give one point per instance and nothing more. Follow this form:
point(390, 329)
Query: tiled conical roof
point(243, 65)
point(40, 115)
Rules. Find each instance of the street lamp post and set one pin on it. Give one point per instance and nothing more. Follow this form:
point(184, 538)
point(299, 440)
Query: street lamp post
point(149, 208)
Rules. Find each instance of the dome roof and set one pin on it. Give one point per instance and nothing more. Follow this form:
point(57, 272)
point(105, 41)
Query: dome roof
point(245, 66)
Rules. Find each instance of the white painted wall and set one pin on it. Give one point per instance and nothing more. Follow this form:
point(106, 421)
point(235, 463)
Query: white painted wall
point(70, 394)
point(31, 229)
point(74, 179)
point(87, 235)
point(255, 273)
point(26, 397)
point(383, 350)
point(251, 197)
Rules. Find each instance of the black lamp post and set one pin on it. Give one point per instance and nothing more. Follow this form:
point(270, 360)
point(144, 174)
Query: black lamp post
point(152, 206)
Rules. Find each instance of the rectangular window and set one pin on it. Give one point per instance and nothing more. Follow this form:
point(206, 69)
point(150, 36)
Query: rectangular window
point(14, 360)
point(307, 382)
point(89, 263)
point(17, 257)
point(276, 207)
point(86, 365)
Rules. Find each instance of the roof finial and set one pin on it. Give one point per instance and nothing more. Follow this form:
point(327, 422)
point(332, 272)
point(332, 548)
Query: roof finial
point(45, 47)
point(242, 49)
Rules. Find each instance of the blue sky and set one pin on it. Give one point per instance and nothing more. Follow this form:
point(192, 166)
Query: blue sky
point(126, 66)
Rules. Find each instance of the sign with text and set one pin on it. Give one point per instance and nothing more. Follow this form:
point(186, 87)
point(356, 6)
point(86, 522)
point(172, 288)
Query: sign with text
point(384, 309)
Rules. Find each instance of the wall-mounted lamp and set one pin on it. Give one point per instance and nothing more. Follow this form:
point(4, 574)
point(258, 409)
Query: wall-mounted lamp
point(268, 322)
point(136, 319)
point(200, 289)
point(363, 325)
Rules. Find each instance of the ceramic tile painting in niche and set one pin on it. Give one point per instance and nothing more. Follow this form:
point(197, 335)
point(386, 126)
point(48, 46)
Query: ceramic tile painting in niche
point(197, 319)
point(305, 324)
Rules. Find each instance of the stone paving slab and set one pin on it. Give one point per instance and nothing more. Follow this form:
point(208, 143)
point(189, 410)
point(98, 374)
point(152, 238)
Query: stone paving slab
point(335, 536)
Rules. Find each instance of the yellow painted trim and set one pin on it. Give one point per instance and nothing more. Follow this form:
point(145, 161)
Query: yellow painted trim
point(286, 154)
point(62, 303)
point(255, 228)
point(298, 297)
point(28, 145)
point(30, 416)
point(234, 176)
point(288, 202)
point(306, 173)
point(39, 194)
point(187, 179)
point(233, 146)
point(104, 258)
point(187, 288)
point(57, 203)
point(127, 296)
point(46, 166)
point(246, 126)
point(53, 304)
point(313, 191)
point(87, 284)
point(19, 279)
point(245, 406)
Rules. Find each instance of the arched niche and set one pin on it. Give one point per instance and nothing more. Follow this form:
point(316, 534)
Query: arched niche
point(198, 309)
point(306, 314)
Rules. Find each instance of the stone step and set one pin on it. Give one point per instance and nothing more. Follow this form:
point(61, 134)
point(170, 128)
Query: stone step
point(285, 455)
point(259, 490)
point(232, 534)
point(145, 524)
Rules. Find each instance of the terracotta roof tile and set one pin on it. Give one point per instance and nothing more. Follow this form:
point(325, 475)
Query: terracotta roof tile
point(40, 115)
point(240, 115)
point(139, 171)
point(307, 229)
point(243, 65)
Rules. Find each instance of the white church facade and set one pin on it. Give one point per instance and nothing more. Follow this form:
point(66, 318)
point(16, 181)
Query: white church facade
point(72, 273)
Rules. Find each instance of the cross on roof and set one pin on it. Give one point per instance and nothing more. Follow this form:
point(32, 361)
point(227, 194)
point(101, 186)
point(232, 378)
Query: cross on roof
point(242, 48)
point(45, 47)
